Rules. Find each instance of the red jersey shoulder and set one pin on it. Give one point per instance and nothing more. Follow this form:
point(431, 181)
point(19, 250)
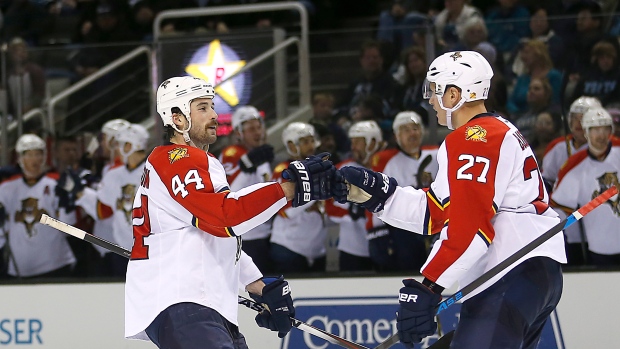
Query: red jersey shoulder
point(429, 147)
point(479, 136)
point(53, 175)
point(571, 163)
point(179, 155)
point(13, 178)
point(557, 141)
point(233, 153)
point(615, 141)
point(380, 159)
point(277, 171)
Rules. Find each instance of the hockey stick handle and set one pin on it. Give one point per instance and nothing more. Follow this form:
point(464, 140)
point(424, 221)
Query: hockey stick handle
point(565, 223)
point(82, 235)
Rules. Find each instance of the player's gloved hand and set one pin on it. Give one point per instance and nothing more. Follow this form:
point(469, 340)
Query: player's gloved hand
point(277, 297)
point(416, 314)
point(252, 159)
point(315, 178)
point(368, 188)
point(68, 186)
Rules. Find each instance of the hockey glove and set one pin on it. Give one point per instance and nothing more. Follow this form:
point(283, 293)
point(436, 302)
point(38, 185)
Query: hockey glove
point(68, 186)
point(416, 313)
point(252, 159)
point(368, 188)
point(277, 297)
point(356, 211)
point(315, 178)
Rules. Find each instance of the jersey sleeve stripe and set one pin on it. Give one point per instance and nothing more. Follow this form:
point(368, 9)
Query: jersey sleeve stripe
point(484, 237)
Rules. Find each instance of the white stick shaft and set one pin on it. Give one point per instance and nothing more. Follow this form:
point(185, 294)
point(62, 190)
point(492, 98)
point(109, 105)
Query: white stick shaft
point(62, 226)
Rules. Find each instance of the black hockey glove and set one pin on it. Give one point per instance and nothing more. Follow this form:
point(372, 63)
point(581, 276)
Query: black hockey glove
point(255, 157)
point(277, 297)
point(68, 186)
point(315, 178)
point(416, 313)
point(368, 188)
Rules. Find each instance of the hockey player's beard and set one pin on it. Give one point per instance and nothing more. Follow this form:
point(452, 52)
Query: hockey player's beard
point(202, 138)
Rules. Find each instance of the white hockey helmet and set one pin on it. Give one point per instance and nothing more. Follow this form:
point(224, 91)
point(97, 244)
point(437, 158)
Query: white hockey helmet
point(29, 142)
point(406, 117)
point(582, 104)
point(467, 70)
point(596, 116)
point(296, 130)
point(369, 130)
point(110, 128)
point(179, 92)
point(134, 134)
point(243, 114)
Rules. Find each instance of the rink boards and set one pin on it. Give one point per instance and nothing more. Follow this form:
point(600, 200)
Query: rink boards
point(361, 309)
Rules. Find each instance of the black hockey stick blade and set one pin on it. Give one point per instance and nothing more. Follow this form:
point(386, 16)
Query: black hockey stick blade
point(80, 234)
point(566, 222)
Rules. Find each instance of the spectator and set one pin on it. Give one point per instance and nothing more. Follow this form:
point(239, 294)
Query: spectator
point(408, 95)
point(450, 20)
point(539, 97)
point(398, 24)
point(298, 234)
point(498, 93)
point(36, 249)
point(471, 34)
point(614, 111)
point(374, 79)
point(507, 24)
point(541, 30)
point(372, 107)
point(249, 162)
point(323, 113)
point(328, 141)
point(26, 79)
point(25, 19)
point(354, 254)
point(602, 77)
point(108, 26)
point(535, 57)
point(66, 154)
point(548, 127)
point(585, 175)
point(410, 164)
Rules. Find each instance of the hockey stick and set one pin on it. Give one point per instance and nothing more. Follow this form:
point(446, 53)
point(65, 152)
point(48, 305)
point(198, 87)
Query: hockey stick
point(574, 217)
point(93, 239)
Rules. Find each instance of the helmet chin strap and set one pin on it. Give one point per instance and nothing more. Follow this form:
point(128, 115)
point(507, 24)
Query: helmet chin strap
point(450, 110)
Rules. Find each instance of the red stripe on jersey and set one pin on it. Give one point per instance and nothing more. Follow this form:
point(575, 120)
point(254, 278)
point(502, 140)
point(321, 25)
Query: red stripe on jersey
point(213, 212)
point(556, 141)
point(103, 211)
point(333, 210)
point(572, 161)
point(380, 159)
point(230, 157)
point(473, 152)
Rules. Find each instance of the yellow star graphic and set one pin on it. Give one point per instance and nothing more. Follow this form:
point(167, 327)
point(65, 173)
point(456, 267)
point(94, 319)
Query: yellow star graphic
point(217, 69)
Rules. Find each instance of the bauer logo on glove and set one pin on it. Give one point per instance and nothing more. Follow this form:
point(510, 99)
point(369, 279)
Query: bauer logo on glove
point(304, 180)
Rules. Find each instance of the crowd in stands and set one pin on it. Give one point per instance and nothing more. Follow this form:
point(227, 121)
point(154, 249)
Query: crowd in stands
point(555, 64)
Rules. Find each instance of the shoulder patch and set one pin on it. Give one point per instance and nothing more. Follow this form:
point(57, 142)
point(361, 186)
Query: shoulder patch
point(177, 154)
point(475, 133)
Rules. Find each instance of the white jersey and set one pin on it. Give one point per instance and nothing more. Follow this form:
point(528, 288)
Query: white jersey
point(185, 226)
point(580, 180)
point(37, 248)
point(352, 231)
point(300, 229)
point(238, 179)
point(556, 155)
point(487, 201)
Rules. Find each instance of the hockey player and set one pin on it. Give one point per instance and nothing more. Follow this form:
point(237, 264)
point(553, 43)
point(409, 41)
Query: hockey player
point(186, 263)
point(36, 249)
point(585, 175)
point(247, 163)
point(559, 150)
point(353, 244)
point(298, 233)
point(487, 202)
point(411, 164)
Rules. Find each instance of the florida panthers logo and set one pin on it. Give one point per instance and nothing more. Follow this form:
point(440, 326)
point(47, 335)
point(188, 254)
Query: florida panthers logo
point(606, 181)
point(125, 202)
point(29, 215)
